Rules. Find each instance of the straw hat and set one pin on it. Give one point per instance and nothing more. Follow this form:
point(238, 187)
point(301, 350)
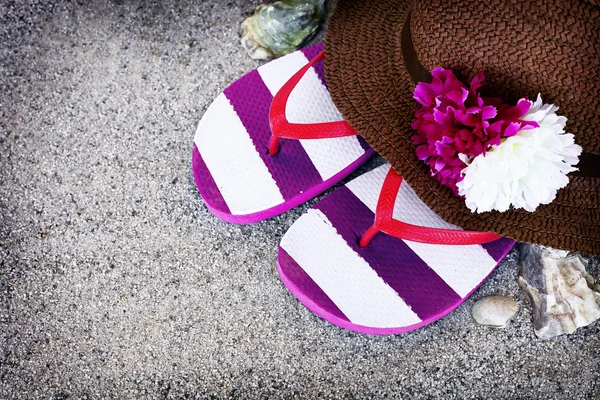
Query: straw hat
point(376, 51)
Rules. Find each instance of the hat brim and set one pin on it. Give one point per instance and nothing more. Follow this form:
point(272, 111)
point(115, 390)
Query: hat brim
point(371, 87)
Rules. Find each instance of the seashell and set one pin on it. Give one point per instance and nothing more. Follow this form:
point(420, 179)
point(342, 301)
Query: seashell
point(564, 296)
point(281, 27)
point(494, 311)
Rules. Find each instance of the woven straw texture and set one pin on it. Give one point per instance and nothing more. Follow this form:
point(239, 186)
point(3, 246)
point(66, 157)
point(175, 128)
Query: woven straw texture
point(524, 47)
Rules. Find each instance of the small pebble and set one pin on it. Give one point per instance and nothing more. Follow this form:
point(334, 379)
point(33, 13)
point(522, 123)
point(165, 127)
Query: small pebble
point(494, 311)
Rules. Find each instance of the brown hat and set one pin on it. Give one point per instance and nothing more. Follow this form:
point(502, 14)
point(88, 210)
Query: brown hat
point(377, 50)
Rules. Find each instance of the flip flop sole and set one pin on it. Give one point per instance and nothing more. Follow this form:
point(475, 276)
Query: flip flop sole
point(391, 286)
point(237, 178)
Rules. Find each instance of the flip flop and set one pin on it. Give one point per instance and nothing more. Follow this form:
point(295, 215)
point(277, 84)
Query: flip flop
point(241, 168)
point(405, 270)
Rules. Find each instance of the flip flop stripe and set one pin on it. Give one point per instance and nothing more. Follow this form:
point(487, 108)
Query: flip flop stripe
point(461, 267)
point(310, 53)
point(207, 186)
point(291, 168)
point(339, 153)
point(231, 158)
point(347, 279)
point(277, 72)
point(498, 249)
point(304, 283)
point(423, 290)
point(363, 143)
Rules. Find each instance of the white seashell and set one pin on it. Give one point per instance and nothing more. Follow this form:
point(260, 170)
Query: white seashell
point(564, 296)
point(494, 311)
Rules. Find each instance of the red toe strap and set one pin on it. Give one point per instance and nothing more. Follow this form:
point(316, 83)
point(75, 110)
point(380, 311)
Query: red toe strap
point(282, 128)
point(384, 222)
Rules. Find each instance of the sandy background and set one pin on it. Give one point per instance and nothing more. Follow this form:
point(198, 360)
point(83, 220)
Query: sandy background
point(115, 280)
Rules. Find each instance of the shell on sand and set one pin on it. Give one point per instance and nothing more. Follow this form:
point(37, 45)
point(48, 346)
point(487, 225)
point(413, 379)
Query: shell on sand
point(494, 311)
point(281, 27)
point(564, 296)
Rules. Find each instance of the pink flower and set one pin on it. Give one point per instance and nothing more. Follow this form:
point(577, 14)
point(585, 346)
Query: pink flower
point(454, 119)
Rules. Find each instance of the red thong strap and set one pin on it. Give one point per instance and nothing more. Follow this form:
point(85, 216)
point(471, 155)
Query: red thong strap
point(401, 230)
point(282, 128)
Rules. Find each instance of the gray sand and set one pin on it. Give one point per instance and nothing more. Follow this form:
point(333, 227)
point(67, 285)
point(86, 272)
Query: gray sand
point(117, 282)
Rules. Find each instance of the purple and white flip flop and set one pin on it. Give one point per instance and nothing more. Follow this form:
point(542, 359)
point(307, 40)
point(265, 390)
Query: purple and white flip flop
point(360, 275)
point(235, 174)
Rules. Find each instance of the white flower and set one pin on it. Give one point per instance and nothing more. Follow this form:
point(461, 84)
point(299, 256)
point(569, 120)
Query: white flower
point(525, 170)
